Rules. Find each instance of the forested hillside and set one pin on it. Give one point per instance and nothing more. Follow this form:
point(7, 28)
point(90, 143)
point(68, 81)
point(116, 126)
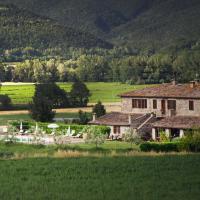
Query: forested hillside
point(166, 23)
point(154, 41)
point(139, 24)
point(20, 28)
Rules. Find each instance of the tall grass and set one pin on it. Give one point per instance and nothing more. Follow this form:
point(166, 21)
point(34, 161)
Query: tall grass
point(109, 178)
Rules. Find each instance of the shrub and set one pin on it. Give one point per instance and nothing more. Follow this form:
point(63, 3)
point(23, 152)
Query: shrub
point(99, 109)
point(132, 137)
point(94, 135)
point(164, 137)
point(191, 141)
point(83, 117)
point(6, 154)
point(160, 147)
point(5, 101)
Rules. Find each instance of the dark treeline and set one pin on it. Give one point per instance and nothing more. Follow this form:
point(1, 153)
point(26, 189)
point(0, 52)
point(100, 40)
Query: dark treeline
point(117, 64)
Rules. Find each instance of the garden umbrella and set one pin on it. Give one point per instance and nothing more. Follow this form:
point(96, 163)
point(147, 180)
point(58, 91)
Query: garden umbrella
point(69, 131)
point(53, 126)
point(21, 128)
point(36, 128)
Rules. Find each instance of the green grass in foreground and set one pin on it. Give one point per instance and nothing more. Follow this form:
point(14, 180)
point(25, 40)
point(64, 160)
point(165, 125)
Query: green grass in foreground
point(106, 92)
point(174, 177)
point(50, 150)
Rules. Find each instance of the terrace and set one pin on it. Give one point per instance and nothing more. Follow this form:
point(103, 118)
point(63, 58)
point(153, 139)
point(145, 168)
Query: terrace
point(37, 136)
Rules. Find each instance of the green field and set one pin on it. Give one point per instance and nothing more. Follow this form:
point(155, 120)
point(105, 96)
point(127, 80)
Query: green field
point(165, 177)
point(106, 92)
point(24, 117)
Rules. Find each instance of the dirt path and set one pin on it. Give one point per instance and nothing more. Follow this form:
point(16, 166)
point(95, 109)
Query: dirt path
point(110, 107)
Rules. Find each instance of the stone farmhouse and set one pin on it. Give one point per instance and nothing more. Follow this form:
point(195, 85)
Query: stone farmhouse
point(173, 108)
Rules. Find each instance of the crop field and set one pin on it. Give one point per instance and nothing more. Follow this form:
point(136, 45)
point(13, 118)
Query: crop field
point(163, 177)
point(106, 92)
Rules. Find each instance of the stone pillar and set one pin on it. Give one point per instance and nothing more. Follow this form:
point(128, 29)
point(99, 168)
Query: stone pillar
point(181, 133)
point(129, 119)
point(153, 133)
point(168, 132)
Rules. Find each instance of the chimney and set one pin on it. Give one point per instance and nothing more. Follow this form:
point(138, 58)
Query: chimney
point(192, 84)
point(129, 119)
point(94, 117)
point(196, 82)
point(174, 82)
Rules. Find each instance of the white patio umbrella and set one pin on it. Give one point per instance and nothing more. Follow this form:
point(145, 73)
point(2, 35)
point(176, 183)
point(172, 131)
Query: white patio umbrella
point(21, 128)
point(36, 128)
point(69, 131)
point(53, 126)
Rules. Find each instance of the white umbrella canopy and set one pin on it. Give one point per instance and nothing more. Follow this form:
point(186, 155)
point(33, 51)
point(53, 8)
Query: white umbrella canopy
point(21, 128)
point(53, 126)
point(36, 128)
point(69, 130)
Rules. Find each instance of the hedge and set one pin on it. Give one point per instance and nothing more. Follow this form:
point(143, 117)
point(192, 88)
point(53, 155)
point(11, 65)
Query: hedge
point(6, 154)
point(160, 147)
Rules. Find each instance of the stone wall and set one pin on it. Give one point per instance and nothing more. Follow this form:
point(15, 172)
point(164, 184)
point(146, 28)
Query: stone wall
point(182, 107)
point(123, 129)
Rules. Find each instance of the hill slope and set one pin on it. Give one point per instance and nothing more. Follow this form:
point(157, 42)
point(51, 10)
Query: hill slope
point(134, 23)
point(166, 23)
point(20, 28)
point(89, 15)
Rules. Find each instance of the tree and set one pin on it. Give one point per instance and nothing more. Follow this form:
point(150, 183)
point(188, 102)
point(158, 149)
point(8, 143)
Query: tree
point(132, 137)
point(79, 95)
point(99, 109)
point(2, 72)
point(41, 107)
point(191, 140)
point(94, 135)
point(83, 117)
point(5, 101)
point(55, 94)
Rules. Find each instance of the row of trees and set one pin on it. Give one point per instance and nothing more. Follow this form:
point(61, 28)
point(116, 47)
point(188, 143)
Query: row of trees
point(157, 68)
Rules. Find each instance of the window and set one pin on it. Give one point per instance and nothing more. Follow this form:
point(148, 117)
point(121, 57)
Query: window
point(171, 104)
point(154, 104)
point(116, 129)
point(139, 103)
point(191, 105)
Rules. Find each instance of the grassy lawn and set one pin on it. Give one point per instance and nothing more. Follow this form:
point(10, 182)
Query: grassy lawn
point(174, 177)
point(5, 118)
point(106, 92)
point(108, 146)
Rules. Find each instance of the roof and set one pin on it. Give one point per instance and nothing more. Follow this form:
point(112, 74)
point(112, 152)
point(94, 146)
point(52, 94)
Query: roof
point(115, 118)
point(179, 122)
point(121, 119)
point(167, 91)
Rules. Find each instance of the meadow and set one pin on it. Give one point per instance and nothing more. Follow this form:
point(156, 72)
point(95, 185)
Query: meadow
point(106, 92)
point(163, 177)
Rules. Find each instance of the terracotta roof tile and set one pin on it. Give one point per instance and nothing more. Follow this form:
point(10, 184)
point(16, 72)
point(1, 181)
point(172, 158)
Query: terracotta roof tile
point(179, 122)
point(166, 91)
point(115, 118)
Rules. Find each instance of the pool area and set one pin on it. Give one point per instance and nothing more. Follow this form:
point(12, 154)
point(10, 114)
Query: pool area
point(45, 140)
